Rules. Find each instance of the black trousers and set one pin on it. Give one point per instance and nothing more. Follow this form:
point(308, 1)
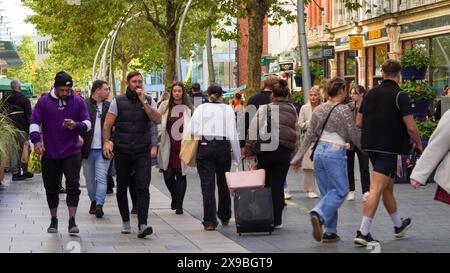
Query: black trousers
point(276, 164)
point(132, 189)
point(141, 164)
point(363, 159)
point(213, 161)
point(52, 171)
point(176, 183)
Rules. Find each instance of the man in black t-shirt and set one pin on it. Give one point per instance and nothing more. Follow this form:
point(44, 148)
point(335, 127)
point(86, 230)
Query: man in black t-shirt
point(387, 126)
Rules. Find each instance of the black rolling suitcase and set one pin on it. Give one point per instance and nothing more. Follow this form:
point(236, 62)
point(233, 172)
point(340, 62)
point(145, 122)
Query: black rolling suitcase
point(253, 210)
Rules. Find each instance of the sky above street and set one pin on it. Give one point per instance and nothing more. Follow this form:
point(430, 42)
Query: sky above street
point(15, 13)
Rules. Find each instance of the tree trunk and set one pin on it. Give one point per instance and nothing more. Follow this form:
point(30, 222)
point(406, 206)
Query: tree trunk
point(209, 55)
point(256, 11)
point(124, 69)
point(171, 60)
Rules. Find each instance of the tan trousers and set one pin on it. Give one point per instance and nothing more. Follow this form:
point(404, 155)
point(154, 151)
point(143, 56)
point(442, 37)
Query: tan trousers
point(309, 182)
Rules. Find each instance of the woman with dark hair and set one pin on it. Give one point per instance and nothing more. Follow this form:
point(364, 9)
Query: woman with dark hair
point(357, 94)
point(281, 116)
point(214, 124)
point(175, 112)
point(332, 126)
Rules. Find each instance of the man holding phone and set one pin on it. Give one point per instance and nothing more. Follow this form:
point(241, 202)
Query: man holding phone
point(135, 117)
point(63, 117)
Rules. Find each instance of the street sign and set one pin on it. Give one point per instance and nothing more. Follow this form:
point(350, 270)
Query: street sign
point(356, 42)
point(285, 67)
point(328, 52)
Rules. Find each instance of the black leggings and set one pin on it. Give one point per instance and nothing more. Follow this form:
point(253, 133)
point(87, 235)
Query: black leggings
point(176, 183)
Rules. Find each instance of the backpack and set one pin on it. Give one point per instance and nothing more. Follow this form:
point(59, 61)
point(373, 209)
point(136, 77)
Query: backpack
point(16, 114)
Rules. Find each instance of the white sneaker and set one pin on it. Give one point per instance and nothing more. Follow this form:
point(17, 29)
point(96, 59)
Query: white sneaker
point(365, 196)
point(351, 196)
point(279, 226)
point(287, 196)
point(312, 195)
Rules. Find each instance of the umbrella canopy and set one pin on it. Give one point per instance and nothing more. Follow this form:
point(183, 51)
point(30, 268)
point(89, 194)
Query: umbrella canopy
point(5, 88)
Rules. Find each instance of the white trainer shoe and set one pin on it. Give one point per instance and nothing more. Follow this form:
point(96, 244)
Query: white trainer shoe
point(365, 196)
point(287, 196)
point(312, 195)
point(351, 196)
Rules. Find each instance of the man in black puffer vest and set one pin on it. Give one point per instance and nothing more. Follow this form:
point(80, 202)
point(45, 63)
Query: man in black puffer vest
point(135, 118)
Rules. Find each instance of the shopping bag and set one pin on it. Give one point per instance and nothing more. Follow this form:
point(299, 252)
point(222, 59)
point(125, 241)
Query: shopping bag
point(188, 152)
point(34, 162)
point(442, 195)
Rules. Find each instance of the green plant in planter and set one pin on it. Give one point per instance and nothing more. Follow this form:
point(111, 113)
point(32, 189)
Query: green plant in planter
point(298, 98)
point(8, 134)
point(426, 128)
point(415, 57)
point(315, 69)
point(418, 90)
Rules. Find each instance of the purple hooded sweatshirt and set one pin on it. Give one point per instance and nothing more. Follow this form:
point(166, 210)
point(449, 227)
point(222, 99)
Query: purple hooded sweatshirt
point(49, 113)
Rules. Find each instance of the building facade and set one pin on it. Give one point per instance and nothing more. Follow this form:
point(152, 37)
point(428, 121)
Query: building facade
point(388, 28)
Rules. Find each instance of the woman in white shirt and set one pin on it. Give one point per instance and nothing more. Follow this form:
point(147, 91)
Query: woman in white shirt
point(214, 123)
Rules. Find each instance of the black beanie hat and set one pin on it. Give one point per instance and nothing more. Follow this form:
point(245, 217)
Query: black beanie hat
point(63, 79)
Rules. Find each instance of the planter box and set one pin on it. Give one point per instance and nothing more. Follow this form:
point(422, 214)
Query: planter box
point(420, 108)
point(299, 81)
point(412, 73)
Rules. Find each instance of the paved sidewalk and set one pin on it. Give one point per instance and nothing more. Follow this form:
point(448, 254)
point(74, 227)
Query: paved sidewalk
point(24, 218)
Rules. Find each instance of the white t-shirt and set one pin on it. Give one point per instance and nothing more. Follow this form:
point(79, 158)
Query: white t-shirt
point(97, 140)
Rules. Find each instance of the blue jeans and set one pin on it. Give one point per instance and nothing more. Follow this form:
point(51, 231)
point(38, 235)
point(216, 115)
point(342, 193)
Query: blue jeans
point(95, 169)
point(330, 170)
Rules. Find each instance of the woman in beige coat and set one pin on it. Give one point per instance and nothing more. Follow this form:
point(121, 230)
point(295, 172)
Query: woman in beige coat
point(175, 112)
point(309, 182)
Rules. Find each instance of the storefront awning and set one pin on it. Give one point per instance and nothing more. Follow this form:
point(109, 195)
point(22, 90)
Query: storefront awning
point(9, 56)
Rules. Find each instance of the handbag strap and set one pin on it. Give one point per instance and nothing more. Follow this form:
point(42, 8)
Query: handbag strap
point(323, 128)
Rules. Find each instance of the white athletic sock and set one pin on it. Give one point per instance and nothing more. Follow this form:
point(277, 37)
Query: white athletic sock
point(396, 219)
point(365, 225)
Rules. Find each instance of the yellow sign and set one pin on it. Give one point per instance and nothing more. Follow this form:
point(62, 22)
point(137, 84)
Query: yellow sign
point(356, 43)
point(374, 34)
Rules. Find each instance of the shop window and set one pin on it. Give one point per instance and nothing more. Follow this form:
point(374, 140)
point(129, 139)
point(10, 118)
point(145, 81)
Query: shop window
point(380, 56)
point(441, 62)
point(350, 64)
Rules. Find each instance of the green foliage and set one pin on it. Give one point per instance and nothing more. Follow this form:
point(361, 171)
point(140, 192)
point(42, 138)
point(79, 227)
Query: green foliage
point(8, 134)
point(298, 98)
point(415, 58)
point(426, 128)
point(418, 90)
point(27, 52)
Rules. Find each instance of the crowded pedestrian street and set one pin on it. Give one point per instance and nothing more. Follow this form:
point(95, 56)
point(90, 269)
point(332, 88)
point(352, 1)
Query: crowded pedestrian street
point(24, 221)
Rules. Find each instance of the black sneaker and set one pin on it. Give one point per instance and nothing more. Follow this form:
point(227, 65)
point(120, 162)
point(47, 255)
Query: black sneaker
point(18, 177)
point(133, 211)
point(362, 240)
point(53, 228)
point(173, 205)
point(330, 238)
point(73, 228)
point(401, 231)
point(179, 211)
point(99, 211)
point(92, 208)
point(28, 175)
point(62, 190)
point(144, 231)
point(317, 226)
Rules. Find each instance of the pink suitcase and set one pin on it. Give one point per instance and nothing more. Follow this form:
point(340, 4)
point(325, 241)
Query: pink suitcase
point(245, 179)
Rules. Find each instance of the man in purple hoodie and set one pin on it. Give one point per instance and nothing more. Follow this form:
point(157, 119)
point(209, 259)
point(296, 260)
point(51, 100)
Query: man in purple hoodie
point(62, 117)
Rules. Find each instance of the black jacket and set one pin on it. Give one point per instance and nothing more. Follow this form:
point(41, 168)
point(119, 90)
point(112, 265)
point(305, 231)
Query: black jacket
point(88, 136)
point(21, 105)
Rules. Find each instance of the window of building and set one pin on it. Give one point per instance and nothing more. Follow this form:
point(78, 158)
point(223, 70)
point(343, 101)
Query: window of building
point(380, 56)
point(156, 78)
point(350, 64)
point(440, 69)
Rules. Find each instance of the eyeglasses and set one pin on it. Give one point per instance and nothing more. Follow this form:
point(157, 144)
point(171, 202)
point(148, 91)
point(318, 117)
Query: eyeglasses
point(138, 81)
